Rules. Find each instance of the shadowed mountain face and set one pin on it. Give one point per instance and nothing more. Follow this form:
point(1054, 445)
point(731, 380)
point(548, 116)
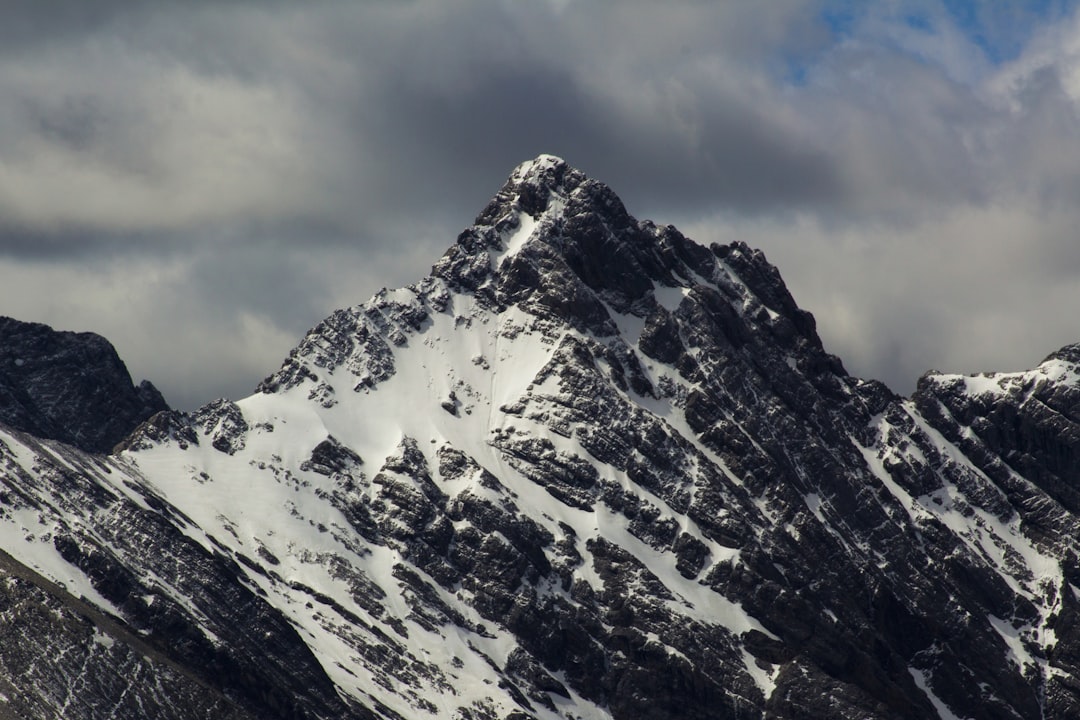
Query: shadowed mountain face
point(586, 468)
point(69, 386)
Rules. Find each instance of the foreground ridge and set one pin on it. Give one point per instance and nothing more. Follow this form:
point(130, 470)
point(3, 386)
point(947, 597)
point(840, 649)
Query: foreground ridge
point(587, 468)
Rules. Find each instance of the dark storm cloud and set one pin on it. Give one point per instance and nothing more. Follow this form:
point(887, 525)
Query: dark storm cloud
point(418, 104)
point(33, 22)
point(28, 23)
point(506, 115)
point(470, 95)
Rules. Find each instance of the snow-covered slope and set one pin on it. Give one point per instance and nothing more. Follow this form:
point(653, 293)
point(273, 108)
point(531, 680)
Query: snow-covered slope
point(585, 469)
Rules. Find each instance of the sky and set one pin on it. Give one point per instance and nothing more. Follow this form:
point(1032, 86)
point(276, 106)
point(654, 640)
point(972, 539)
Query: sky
point(203, 181)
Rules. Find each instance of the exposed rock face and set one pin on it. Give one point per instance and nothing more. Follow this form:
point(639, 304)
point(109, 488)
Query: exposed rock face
point(586, 469)
point(69, 386)
point(63, 658)
point(176, 621)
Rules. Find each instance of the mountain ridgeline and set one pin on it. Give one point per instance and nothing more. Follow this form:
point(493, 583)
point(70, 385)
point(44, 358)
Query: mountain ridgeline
point(585, 469)
point(69, 386)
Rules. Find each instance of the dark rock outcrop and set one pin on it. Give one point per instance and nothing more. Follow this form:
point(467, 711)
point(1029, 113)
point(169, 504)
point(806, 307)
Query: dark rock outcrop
point(69, 386)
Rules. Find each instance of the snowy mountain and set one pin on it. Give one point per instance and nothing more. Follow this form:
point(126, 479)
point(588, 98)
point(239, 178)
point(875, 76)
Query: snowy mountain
point(586, 468)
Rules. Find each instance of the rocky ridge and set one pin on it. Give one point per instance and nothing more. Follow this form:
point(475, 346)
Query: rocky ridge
point(585, 469)
point(69, 386)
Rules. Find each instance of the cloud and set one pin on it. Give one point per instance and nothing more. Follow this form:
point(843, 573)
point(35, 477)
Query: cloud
point(105, 139)
point(203, 181)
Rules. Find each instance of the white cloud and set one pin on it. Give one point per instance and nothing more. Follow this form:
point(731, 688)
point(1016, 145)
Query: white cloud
point(101, 137)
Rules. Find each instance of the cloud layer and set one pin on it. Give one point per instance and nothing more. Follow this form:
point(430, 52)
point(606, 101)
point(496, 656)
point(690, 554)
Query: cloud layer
point(201, 182)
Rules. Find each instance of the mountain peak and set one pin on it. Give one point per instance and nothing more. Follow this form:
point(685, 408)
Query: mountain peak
point(561, 245)
point(559, 248)
point(532, 187)
point(536, 166)
point(1069, 353)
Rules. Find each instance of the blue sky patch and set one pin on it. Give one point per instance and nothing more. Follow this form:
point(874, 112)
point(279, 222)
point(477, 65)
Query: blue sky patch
point(1000, 28)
